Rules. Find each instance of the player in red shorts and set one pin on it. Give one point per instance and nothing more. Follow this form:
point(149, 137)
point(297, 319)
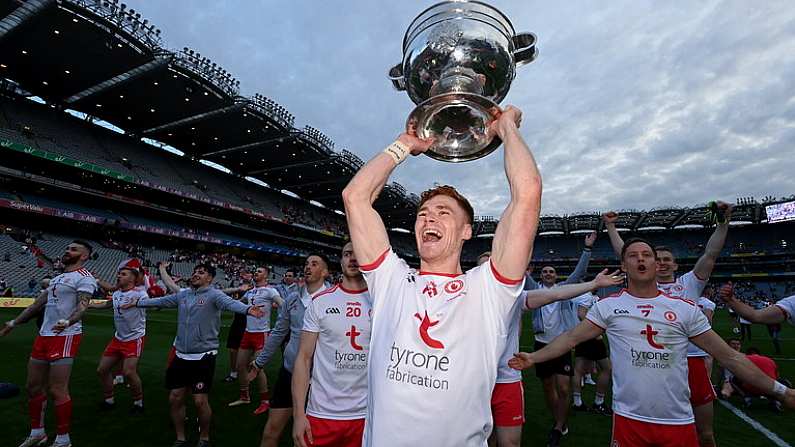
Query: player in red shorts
point(335, 343)
point(128, 341)
point(257, 330)
point(50, 364)
point(690, 286)
point(507, 399)
point(649, 333)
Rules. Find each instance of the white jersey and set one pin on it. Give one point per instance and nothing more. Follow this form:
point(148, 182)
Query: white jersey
point(586, 300)
point(341, 318)
point(648, 350)
point(688, 286)
point(260, 296)
point(130, 323)
point(788, 306)
point(62, 300)
point(434, 352)
point(506, 374)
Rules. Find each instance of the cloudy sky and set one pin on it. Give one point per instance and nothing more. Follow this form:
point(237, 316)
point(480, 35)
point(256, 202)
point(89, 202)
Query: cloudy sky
point(631, 104)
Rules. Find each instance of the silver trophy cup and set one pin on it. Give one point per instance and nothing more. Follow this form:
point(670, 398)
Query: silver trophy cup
point(459, 58)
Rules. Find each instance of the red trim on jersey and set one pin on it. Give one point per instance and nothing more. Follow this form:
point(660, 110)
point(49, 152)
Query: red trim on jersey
point(784, 311)
point(677, 298)
point(589, 320)
point(699, 278)
point(375, 264)
point(325, 292)
point(503, 279)
point(84, 272)
point(613, 295)
point(448, 275)
point(351, 292)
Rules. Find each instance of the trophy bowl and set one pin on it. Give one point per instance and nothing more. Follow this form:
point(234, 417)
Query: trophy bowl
point(459, 59)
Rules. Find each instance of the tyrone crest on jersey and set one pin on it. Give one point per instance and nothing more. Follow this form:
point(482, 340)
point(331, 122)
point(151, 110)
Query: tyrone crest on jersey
point(425, 324)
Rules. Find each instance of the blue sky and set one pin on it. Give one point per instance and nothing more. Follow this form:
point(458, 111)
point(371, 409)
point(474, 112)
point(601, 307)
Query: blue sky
point(631, 104)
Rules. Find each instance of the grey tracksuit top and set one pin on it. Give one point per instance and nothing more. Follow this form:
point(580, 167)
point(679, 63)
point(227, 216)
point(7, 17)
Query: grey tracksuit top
point(198, 317)
point(289, 322)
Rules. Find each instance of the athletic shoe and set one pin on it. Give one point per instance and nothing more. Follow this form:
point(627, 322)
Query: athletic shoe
point(553, 440)
point(105, 406)
point(588, 380)
point(203, 443)
point(565, 430)
point(180, 443)
point(603, 409)
point(230, 378)
point(581, 407)
point(118, 380)
point(32, 441)
point(240, 402)
point(61, 444)
point(136, 410)
point(263, 407)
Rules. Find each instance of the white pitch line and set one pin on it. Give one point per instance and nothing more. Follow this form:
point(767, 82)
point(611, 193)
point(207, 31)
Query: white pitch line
point(756, 425)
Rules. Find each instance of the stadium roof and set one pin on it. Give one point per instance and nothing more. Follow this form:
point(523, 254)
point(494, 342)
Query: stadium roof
point(51, 49)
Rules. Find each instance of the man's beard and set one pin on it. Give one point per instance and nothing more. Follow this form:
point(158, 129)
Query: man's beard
point(70, 260)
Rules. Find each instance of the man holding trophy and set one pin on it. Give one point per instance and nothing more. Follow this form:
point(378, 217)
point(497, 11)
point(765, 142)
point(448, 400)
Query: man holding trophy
point(437, 333)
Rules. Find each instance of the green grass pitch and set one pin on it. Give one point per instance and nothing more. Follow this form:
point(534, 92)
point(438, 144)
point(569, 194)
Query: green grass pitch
point(237, 426)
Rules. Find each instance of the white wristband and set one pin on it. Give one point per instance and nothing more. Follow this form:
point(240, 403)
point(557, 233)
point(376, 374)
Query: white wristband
point(779, 389)
point(10, 323)
point(398, 150)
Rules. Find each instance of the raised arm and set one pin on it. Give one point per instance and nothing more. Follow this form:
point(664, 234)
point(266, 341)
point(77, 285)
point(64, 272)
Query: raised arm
point(164, 301)
point(609, 219)
point(107, 304)
point(559, 346)
point(740, 366)
point(171, 285)
point(585, 258)
point(300, 387)
point(706, 262)
point(26, 314)
point(769, 315)
point(541, 297)
point(367, 230)
point(513, 240)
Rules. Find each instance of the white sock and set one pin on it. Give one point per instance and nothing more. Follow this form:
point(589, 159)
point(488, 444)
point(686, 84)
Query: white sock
point(110, 400)
point(36, 432)
point(577, 399)
point(599, 399)
point(139, 403)
point(63, 439)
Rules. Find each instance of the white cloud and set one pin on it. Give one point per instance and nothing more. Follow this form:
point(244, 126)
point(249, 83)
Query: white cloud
point(630, 104)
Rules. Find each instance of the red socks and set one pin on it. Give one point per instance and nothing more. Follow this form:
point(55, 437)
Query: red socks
point(63, 417)
point(36, 406)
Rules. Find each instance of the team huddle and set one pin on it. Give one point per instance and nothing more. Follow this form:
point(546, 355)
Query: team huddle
point(397, 356)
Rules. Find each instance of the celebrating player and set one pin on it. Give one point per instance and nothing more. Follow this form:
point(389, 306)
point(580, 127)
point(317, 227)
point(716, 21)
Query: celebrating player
point(253, 340)
point(334, 347)
point(779, 312)
point(196, 346)
point(649, 333)
point(690, 286)
point(586, 354)
point(288, 324)
point(430, 374)
point(50, 365)
point(507, 399)
point(128, 341)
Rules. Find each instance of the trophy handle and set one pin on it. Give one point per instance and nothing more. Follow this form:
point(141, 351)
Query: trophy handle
point(396, 76)
point(525, 50)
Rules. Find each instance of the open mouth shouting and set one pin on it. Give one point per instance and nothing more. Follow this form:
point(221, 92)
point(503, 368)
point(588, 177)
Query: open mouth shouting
point(431, 235)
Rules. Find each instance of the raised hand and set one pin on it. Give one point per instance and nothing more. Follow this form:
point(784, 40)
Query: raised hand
point(610, 217)
point(603, 279)
point(726, 292)
point(590, 239)
point(416, 145)
point(521, 360)
point(725, 208)
point(505, 120)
